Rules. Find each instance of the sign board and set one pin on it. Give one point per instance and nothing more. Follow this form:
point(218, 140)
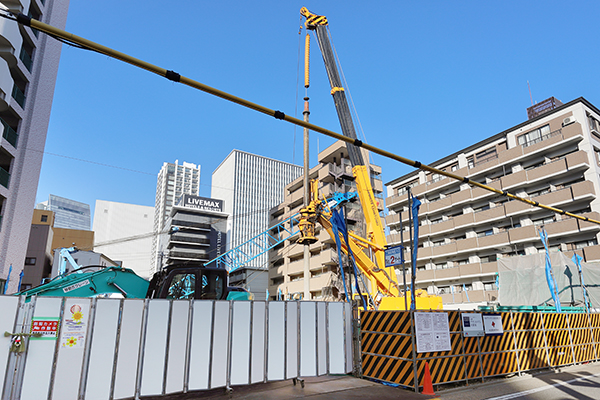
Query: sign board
point(432, 331)
point(472, 324)
point(493, 324)
point(74, 327)
point(201, 203)
point(46, 327)
point(394, 256)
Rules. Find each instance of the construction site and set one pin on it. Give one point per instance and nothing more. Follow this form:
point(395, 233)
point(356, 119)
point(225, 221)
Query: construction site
point(482, 265)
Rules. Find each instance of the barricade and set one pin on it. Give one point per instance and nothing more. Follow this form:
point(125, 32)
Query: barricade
point(128, 348)
point(528, 341)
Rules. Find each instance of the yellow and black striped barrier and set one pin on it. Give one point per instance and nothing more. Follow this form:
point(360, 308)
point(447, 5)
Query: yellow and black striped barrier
point(528, 341)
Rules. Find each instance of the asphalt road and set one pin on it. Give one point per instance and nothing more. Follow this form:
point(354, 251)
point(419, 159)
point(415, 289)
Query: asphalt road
point(575, 382)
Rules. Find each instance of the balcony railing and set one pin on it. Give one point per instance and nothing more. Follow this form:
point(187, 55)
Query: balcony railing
point(542, 138)
point(26, 58)
point(4, 177)
point(9, 133)
point(18, 95)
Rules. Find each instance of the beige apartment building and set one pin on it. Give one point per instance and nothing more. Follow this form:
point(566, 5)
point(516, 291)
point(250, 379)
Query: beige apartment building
point(286, 261)
point(552, 158)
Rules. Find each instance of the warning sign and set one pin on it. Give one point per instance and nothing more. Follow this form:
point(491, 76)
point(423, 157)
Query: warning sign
point(46, 327)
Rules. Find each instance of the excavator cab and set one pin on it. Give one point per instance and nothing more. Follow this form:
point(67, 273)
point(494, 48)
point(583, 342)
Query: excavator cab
point(186, 282)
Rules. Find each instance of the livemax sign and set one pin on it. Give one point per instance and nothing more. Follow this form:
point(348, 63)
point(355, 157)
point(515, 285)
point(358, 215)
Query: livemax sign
point(202, 203)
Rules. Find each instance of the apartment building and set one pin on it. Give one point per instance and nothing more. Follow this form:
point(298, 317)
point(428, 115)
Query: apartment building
point(28, 68)
point(286, 261)
point(174, 180)
point(552, 158)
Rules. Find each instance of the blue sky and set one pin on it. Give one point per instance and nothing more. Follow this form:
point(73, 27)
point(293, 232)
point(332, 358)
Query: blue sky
point(427, 78)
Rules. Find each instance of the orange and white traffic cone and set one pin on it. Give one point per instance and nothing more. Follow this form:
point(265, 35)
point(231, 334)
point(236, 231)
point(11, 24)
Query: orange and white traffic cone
point(427, 385)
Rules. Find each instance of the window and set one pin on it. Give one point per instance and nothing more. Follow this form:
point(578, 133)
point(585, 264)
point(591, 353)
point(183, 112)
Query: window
point(454, 167)
point(44, 218)
point(487, 259)
point(30, 260)
point(471, 162)
point(597, 154)
point(489, 286)
point(486, 155)
point(485, 233)
point(535, 136)
point(183, 286)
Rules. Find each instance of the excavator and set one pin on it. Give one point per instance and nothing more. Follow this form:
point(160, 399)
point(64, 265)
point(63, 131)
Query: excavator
point(385, 293)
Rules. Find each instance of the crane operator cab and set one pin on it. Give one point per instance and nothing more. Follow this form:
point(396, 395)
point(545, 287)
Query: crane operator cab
point(186, 282)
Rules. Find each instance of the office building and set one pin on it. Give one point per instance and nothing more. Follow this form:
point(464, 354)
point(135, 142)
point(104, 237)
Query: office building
point(286, 260)
point(250, 185)
point(196, 232)
point(68, 214)
point(38, 260)
point(552, 158)
point(28, 68)
point(174, 180)
point(124, 232)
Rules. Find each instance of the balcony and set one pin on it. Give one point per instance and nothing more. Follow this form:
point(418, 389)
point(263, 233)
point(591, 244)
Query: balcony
point(562, 228)
point(523, 234)
point(514, 180)
point(4, 177)
point(464, 220)
point(543, 141)
point(18, 95)
point(591, 253)
point(547, 170)
point(446, 249)
point(577, 159)
point(584, 226)
point(466, 244)
point(9, 133)
point(493, 241)
point(26, 59)
point(583, 190)
point(443, 226)
point(489, 215)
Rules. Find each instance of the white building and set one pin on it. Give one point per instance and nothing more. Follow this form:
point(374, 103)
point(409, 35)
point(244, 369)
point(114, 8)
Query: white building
point(174, 180)
point(250, 186)
point(124, 232)
point(28, 67)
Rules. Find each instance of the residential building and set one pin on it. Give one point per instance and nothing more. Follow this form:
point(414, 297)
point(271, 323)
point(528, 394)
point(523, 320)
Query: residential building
point(28, 68)
point(552, 158)
point(83, 258)
point(64, 237)
point(38, 260)
point(124, 232)
point(286, 260)
point(196, 232)
point(174, 180)
point(68, 214)
point(250, 186)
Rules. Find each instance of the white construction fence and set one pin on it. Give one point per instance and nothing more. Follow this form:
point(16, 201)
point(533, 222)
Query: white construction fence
point(124, 348)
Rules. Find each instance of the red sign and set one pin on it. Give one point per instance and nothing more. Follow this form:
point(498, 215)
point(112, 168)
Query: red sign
point(44, 327)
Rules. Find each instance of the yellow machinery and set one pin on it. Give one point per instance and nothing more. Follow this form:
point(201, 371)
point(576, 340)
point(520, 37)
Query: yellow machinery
point(385, 292)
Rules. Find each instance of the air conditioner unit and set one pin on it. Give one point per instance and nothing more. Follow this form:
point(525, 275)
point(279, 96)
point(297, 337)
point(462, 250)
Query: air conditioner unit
point(568, 120)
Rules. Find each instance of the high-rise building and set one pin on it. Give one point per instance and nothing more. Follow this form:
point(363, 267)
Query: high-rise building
point(552, 158)
point(174, 180)
point(68, 214)
point(250, 185)
point(286, 260)
point(124, 232)
point(28, 68)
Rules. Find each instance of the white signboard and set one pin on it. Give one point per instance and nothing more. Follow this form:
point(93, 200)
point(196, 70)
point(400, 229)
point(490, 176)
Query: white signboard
point(74, 328)
point(393, 256)
point(472, 324)
point(493, 324)
point(432, 332)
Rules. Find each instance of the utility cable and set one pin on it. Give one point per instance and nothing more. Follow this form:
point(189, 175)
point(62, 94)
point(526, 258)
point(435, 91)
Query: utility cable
point(174, 76)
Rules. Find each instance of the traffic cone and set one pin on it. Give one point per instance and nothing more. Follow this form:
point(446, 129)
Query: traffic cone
point(427, 385)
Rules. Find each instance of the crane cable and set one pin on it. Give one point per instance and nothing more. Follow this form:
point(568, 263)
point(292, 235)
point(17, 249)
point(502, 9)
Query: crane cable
point(175, 77)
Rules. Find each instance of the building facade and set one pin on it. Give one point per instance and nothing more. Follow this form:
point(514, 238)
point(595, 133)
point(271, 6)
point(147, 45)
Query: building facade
point(174, 180)
point(28, 68)
point(286, 260)
point(68, 214)
point(250, 186)
point(196, 232)
point(552, 158)
point(38, 261)
point(124, 232)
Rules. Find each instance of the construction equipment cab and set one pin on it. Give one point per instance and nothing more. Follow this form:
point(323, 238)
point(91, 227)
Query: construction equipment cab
point(194, 282)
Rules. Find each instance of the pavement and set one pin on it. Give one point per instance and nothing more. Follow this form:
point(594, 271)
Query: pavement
point(315, 388)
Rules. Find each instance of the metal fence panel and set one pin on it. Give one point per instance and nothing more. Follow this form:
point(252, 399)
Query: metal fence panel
point(337, 356)
point(128, 348)
point(308, 339)
point(102, 350)
point(220, 342)
point(291, 335)
point(154, 353)
point(178, 328)
point(322, 338)
point(8, 323)
point(258, 363)
point(276, 341)
point(240, 344)
point(40, 353)
point(200, 345)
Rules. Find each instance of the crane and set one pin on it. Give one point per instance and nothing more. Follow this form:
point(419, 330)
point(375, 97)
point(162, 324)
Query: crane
point(385, 291)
